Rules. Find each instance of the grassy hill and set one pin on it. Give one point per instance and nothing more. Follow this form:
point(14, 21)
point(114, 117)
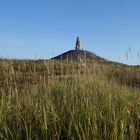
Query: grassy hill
point(78, 55)
point(51, 99)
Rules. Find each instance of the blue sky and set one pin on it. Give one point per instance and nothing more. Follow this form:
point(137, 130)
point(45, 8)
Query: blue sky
point(44, 28)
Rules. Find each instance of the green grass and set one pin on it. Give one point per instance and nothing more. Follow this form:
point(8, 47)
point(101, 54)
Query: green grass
point(53, 100)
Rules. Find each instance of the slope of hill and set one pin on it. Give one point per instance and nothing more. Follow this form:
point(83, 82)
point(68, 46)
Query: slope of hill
point(78, 55)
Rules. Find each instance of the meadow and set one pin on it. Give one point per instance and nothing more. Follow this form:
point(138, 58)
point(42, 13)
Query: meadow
point(60, 100)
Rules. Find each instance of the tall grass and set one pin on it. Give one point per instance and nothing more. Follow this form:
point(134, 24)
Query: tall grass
point(59, 100)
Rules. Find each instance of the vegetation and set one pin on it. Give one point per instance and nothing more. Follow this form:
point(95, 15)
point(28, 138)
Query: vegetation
point(43, 100)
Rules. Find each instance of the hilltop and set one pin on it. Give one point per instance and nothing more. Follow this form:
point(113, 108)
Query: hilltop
point(83, 55)
point(79, 55)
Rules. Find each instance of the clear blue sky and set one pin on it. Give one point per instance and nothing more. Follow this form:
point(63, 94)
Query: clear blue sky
point(45, 28)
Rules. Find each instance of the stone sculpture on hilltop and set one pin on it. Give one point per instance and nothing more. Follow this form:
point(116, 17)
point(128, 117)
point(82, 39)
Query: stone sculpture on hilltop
point(77, 44)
